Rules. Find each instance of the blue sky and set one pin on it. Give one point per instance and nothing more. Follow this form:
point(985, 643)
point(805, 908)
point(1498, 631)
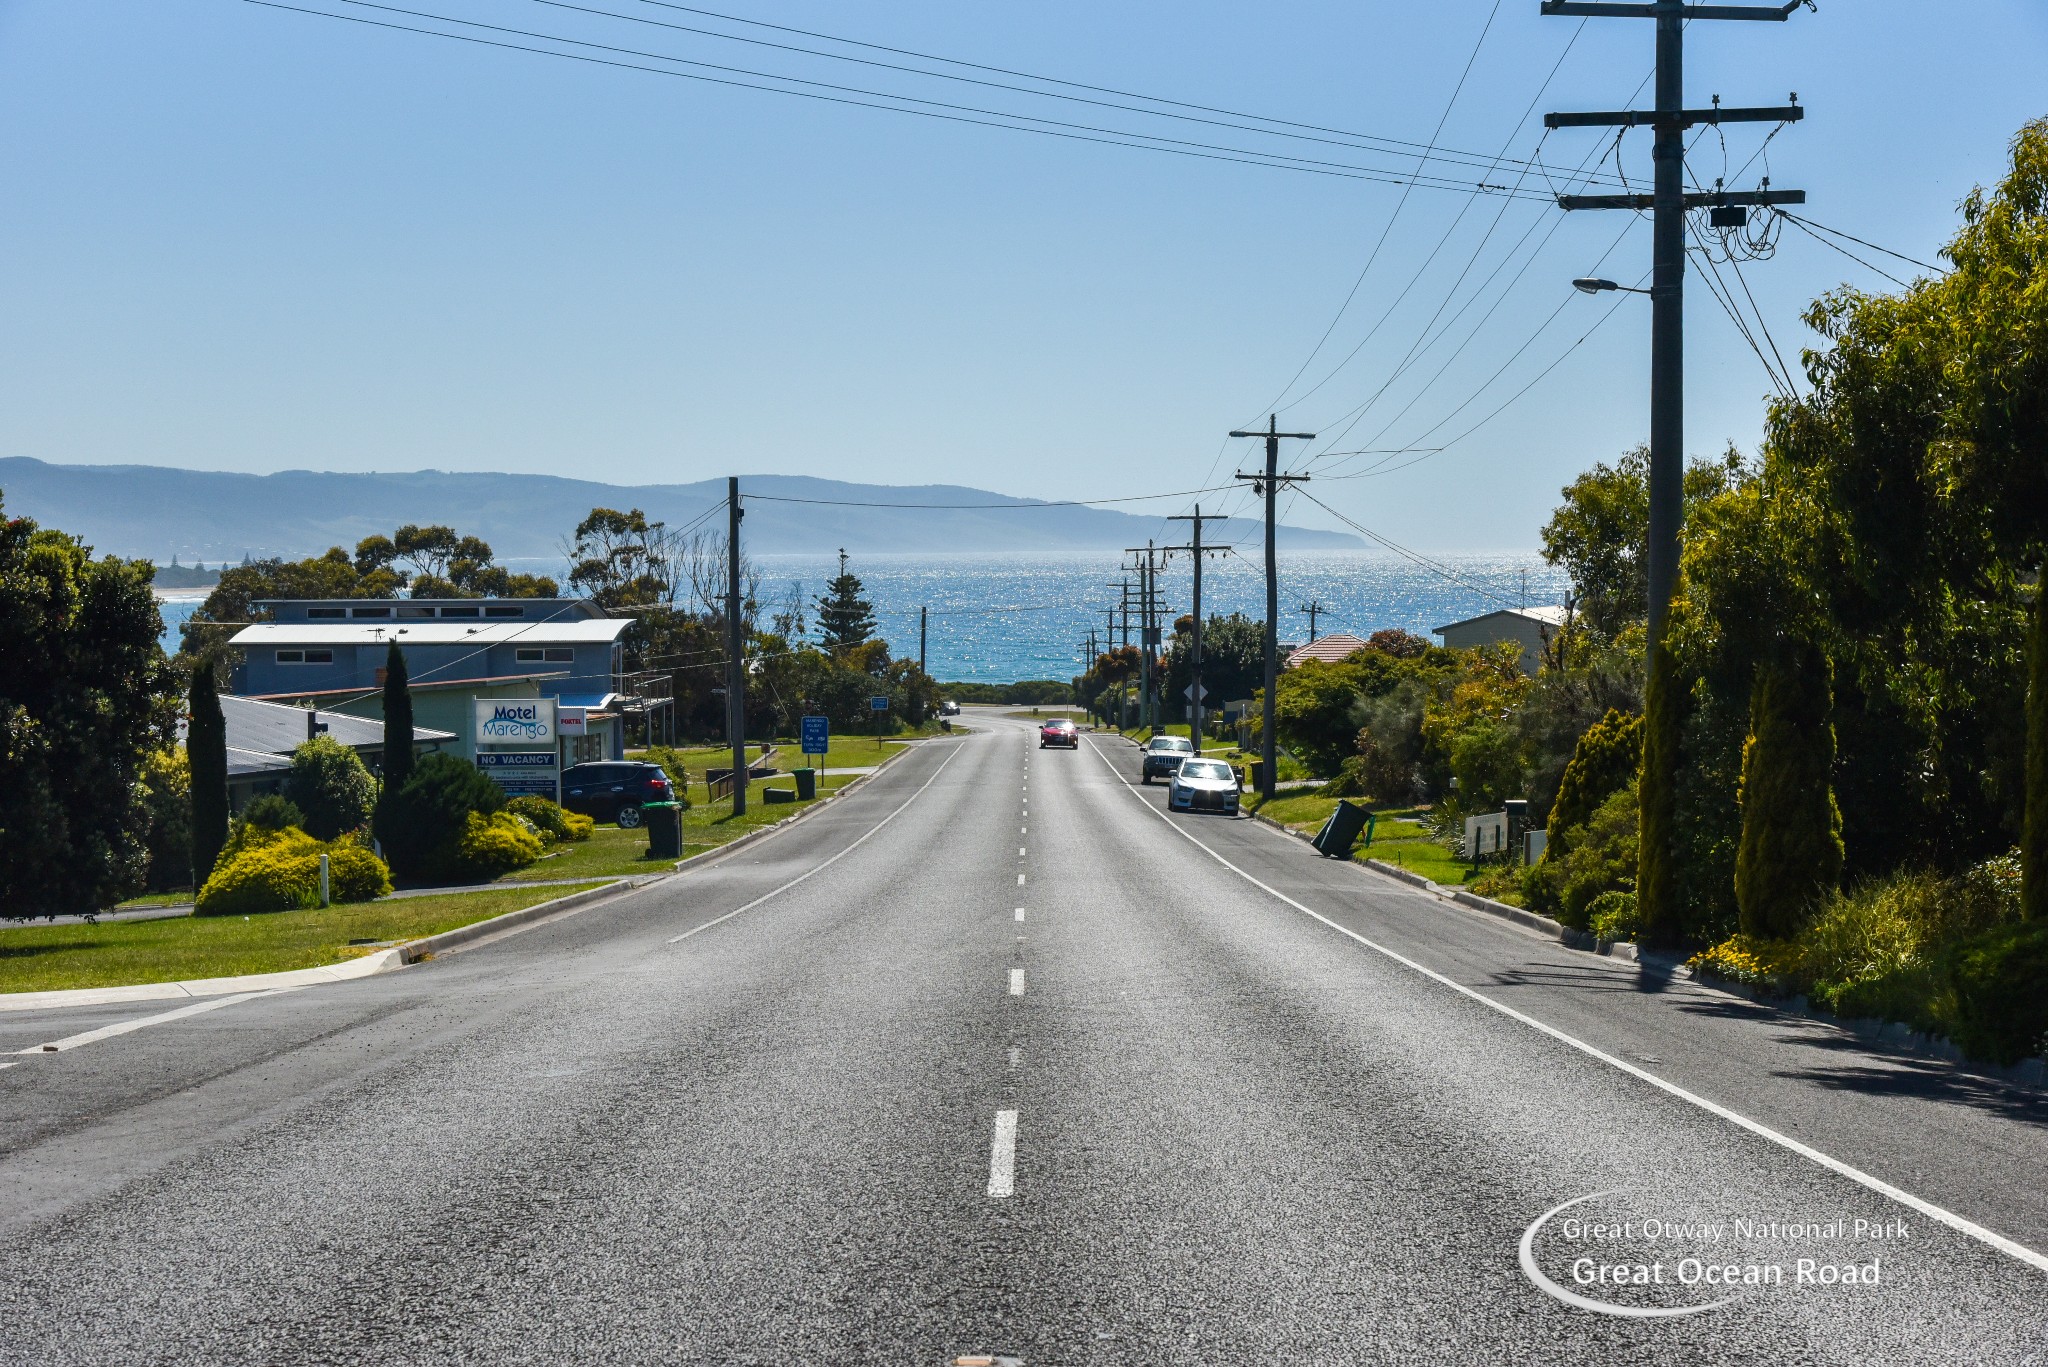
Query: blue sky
point(238, 238)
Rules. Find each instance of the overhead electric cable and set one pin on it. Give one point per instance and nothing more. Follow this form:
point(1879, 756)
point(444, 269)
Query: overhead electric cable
point(1331, 137)
point(1806, 222)
point(1025, 504)
point(1021, 123)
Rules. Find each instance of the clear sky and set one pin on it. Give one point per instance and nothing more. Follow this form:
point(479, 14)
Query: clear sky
point(238, 238)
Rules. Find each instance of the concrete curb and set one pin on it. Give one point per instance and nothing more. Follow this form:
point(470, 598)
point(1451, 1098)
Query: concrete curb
point(413, 951)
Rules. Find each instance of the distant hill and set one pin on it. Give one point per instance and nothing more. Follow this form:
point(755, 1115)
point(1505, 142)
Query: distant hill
point(156, 512)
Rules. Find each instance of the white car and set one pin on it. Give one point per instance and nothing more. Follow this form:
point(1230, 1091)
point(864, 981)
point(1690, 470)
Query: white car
point(1203, 785)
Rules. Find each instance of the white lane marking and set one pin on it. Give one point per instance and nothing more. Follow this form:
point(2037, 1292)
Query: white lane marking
point(1020, 913)
point(70, 1042)
point(1002, 1156)
point(829, 862)
point(1020, 880)
point(1016, 982)
point(1023, 830)
point(1020, 851)
point(1757, 1128)
point(1015, 1055)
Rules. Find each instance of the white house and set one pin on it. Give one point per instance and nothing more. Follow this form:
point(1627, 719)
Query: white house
point(1530, 628)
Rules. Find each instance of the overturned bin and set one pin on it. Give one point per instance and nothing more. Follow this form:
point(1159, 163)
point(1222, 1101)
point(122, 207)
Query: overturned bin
point(1341, 831)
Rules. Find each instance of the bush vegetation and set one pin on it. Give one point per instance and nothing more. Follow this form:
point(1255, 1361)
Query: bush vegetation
point(264, 870)
point(556, 824)
point(328, 783)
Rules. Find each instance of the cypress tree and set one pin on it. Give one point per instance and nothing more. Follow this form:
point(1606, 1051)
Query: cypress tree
point(1657, 848)
point(206, 751)
point(2034, 821)
point(1791, 851)
point(1602, 763)
point(397, 720)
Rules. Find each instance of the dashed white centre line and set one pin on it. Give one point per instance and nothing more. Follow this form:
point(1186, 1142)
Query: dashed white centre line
point(1020, 851)
point(1020, 913)
point(1002, 1156)
point(1020, 880)
point(1016, 982)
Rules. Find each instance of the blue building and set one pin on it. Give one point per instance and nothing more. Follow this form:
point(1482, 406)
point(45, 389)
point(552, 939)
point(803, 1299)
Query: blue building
point(331, 653)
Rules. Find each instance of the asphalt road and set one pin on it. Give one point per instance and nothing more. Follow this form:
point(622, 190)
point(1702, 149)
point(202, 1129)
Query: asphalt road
point(992, 1058)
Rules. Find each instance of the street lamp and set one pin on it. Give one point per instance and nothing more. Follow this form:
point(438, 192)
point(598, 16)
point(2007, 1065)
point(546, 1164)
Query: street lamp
point(1588, 285)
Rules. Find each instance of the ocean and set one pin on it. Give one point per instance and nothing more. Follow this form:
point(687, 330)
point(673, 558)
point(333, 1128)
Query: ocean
point(1001, 618)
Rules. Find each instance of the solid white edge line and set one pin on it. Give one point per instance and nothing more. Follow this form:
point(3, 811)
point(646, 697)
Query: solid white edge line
point(1002, 1156)
point(673, 939)
point(70, 1042)
point(1933, 1212)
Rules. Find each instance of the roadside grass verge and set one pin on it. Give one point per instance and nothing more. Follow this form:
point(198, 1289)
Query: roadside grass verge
point(41, 958)
point(1398, 838)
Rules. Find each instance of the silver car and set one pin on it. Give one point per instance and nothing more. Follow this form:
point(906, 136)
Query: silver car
point(1164, 755)
point(1203, 785)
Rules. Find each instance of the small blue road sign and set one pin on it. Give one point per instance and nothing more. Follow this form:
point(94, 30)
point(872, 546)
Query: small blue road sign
point(817, 735)
point(878, 703)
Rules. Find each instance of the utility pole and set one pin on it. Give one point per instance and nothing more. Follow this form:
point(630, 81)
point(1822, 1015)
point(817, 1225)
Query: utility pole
point(1656, 886)
point(1267, 486)
point(920, 638)
point(1314, 608)
point(1149, 629)
point(1196, 519)
point(735, 649)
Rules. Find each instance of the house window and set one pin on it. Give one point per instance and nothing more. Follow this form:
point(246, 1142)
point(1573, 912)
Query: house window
point(371, 612)
point(305, 657)
point(503, 610)
point(460, 612)
point(533, 655)
point(328, 613)
point(406, 611)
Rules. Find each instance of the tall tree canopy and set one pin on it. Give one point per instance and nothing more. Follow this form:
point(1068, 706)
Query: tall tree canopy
point(85, 696)
point(845, 618)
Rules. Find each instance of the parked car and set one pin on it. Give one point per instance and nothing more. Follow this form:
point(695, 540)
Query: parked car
point(1059, 731)
point(614, 790)
point(1203, 785)
point(1163, 756)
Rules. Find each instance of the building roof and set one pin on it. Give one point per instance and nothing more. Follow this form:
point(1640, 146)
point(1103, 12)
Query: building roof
point(1550, 615)
point(408, 609)
point(262, 735)
point(1338, 645)
point(569, 631)
point(415, 685)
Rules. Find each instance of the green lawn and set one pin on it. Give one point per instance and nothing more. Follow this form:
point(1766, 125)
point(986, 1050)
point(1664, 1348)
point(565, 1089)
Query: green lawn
point(36, 958)
point(609, 853)
point(1397, 837)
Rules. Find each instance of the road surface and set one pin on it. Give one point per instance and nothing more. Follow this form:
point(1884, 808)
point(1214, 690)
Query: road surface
point(993, 1060)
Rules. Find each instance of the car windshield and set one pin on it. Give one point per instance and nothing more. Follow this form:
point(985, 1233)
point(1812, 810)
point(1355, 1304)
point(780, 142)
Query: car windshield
point(1205, 768)
point(1172, 743)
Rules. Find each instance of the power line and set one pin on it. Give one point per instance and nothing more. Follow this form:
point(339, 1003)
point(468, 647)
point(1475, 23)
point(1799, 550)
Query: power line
point(1359, 141)
point(1020, 504)
point(1416, 557)
point(1021, 123)
point(1804, 227)
point(1440, 153)
point(1805, 222)
point(1392, 218)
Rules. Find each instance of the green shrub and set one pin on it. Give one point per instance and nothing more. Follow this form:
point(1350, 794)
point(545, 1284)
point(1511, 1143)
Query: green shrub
point(554, 823)
point(490, 846)
point(273, 812)
point(166, 785)
point(1791, 851)
point(327, 782)
point(262, 870)
point(1612, 916)
point(1601, 860)
point(1606, 757)
point(422, 823)
point(2000, 985)
point(671, 762)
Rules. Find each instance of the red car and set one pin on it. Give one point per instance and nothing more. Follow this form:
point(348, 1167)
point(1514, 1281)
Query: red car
point(1059, 731)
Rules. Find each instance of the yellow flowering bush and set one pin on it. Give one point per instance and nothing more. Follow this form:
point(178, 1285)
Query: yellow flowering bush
point(1754, 962)
point(263, 870)
point(552, 822)
point(495, 844)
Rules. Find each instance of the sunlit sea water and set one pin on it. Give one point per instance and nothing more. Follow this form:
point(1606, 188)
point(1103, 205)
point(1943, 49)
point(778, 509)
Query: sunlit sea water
point(999, 618)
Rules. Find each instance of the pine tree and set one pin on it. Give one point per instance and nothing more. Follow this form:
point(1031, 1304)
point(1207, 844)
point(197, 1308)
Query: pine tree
point(1791, 851)
point(845, 619)
point(397, 722)
point(206, 750)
